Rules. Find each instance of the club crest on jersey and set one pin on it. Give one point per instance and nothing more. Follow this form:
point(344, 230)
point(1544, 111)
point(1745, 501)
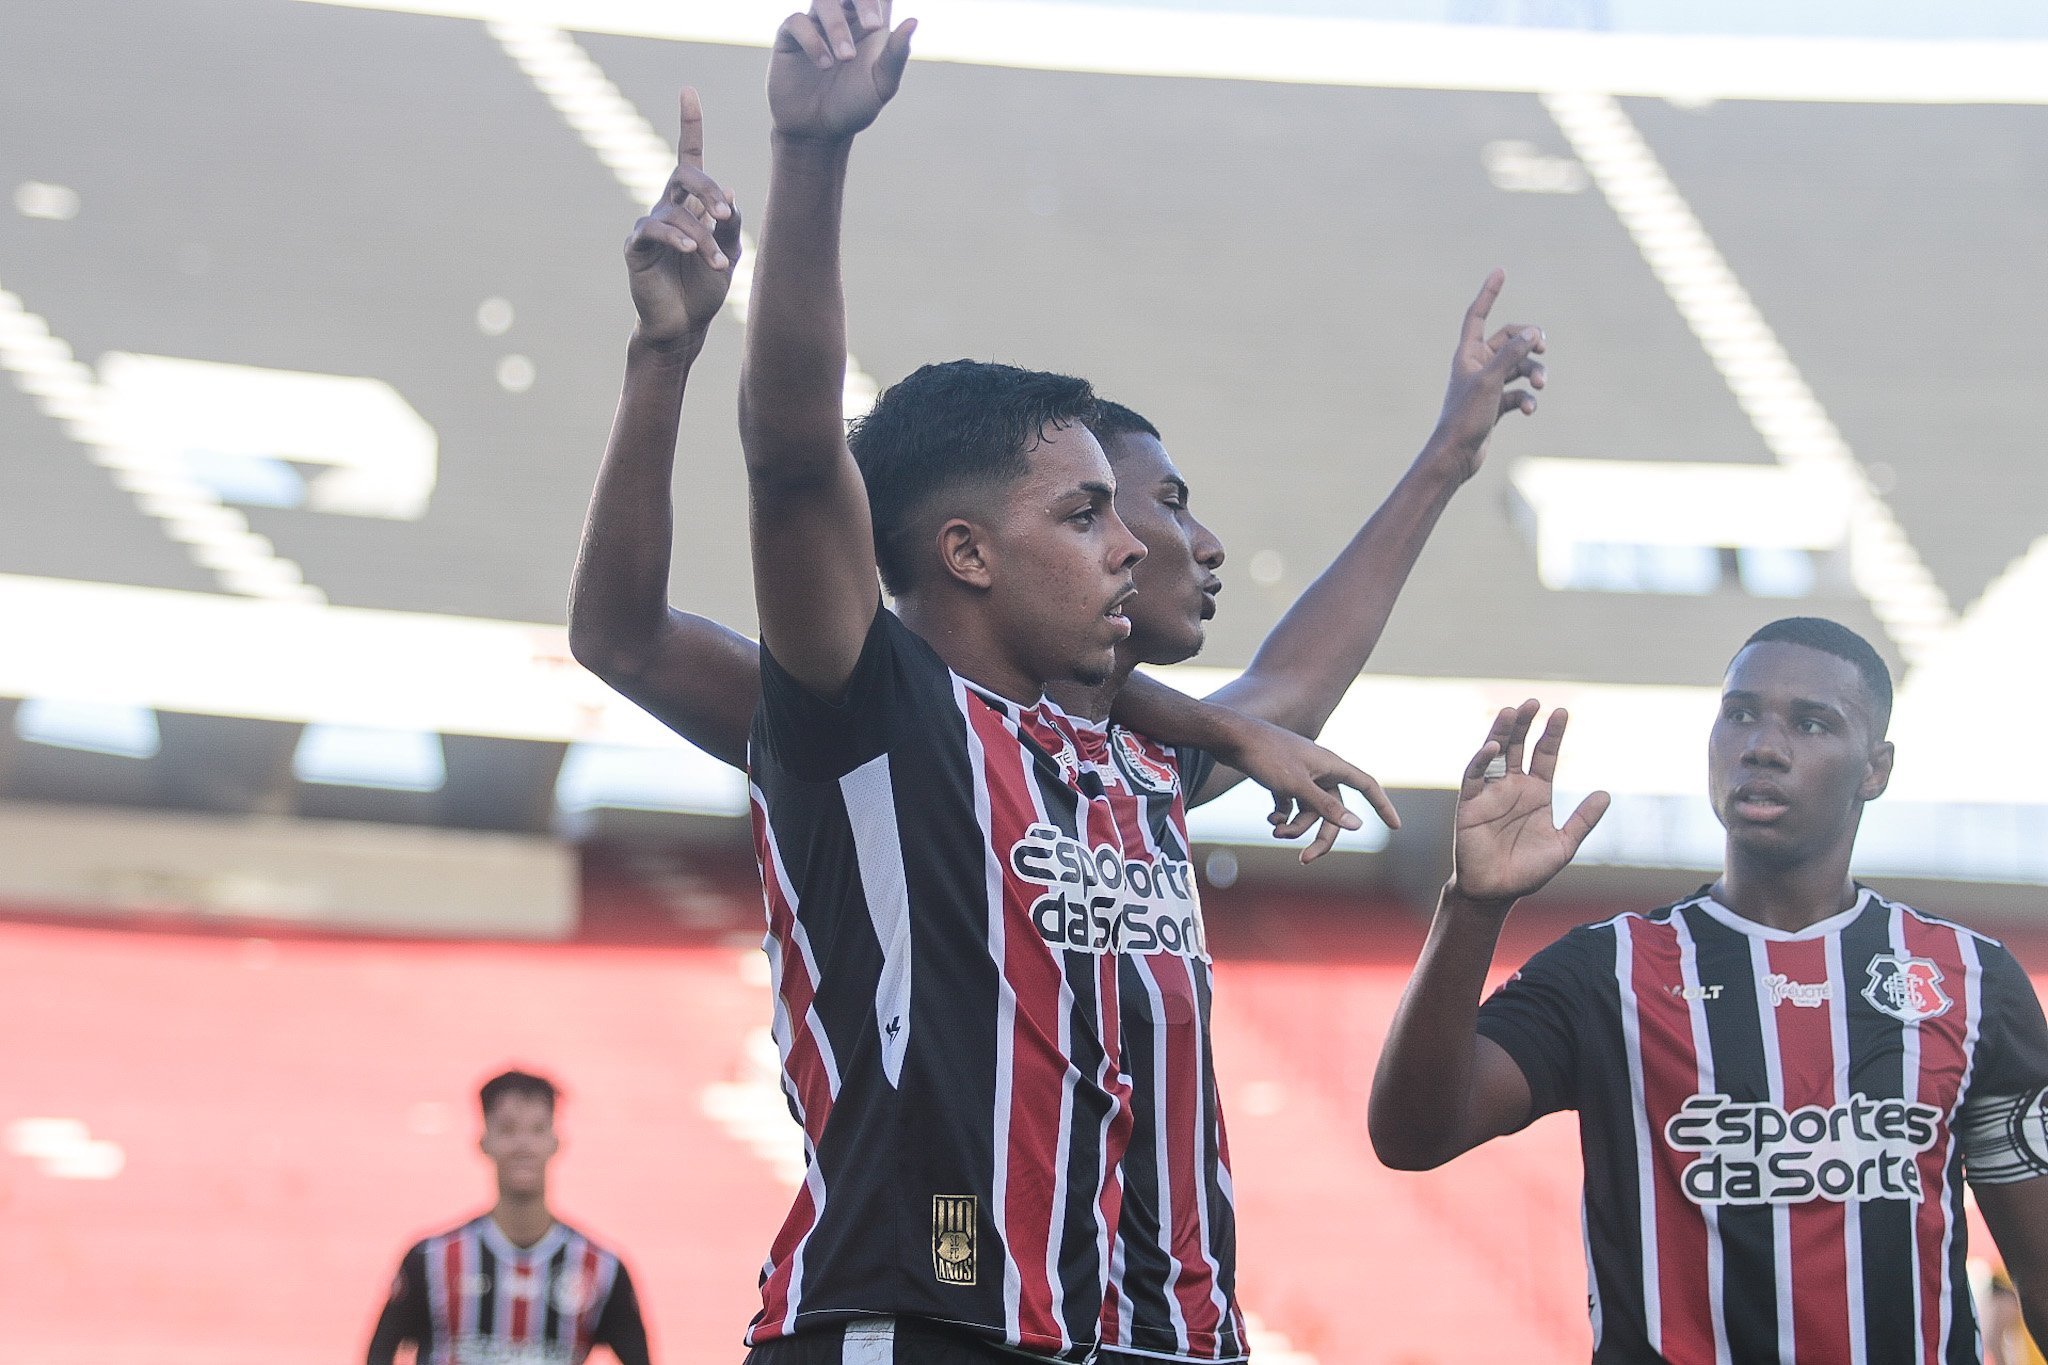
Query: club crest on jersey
point(1906, 988)
point(572, 1292)
point(1140, 767)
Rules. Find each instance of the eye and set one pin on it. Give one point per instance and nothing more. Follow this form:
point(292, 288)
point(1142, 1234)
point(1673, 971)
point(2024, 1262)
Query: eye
point(1175, 499)
point(1085, 518)
point(1738, 714)
point(1812, 726)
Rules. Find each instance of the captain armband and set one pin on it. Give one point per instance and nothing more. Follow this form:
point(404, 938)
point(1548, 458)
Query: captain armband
point(2005, 1138)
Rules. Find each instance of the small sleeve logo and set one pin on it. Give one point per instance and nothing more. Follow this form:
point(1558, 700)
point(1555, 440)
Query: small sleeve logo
point(953, 1226)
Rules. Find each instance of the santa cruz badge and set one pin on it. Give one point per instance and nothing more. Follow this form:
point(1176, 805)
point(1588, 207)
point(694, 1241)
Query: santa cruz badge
point(1140, 767)
point(1906, 988)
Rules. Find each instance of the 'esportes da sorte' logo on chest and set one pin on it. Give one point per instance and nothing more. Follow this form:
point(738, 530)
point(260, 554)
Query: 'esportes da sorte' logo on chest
point(1096, 900)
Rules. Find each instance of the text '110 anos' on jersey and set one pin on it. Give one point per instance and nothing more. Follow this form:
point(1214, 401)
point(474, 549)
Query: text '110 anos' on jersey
point(469, 1296)
point(1776, 1125)
point(948, 912)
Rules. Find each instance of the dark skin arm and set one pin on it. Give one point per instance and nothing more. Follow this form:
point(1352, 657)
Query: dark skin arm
point(2017, 1215)
point(1441, 1089)
point(694, 675)
point(1310, 659)
point(829, 75)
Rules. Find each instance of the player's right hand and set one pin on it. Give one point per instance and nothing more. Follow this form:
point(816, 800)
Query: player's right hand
point(834, 68)
point(1506, 845)
point(680, 257)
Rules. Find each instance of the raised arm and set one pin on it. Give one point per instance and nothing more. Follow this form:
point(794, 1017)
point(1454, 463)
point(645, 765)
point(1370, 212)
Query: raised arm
point(829, 75)
point(1311, 657)
point(692, 674)
point(1441, 1088)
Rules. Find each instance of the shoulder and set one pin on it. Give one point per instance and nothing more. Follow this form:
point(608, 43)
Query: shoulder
point(1924, 919)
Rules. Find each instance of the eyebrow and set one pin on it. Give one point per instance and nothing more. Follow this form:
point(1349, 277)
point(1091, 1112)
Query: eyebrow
point(1798, 703)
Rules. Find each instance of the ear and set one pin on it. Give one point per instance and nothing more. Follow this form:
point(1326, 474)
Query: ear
point(965, 551)
point(1880, 775)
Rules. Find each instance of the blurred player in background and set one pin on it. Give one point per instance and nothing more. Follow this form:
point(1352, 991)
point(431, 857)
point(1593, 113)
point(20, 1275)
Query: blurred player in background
point(1172, 1283)
point(1781, 1080)
point(513, 1286)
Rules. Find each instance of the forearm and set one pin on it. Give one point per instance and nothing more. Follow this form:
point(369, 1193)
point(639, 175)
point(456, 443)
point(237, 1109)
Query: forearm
point(1422, 1108)
point(618, 597)
point(1311, 657)
point(1171, 716)
point(793, 377)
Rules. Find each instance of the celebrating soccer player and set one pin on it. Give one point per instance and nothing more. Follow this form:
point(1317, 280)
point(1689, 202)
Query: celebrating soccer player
point(514, 1284)
point(1781, 1080)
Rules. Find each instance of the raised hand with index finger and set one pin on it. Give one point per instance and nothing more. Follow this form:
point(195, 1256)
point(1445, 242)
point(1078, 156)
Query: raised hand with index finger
point(1484, 372)
point(1507, 845)
point(833, 68)
point(680, 257)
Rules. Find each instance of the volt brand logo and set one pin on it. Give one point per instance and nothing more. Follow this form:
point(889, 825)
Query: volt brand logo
point(1098, 901)
point(1906, 988)
point(1761, 1154)
point(1705, 992)
point(1781, 989)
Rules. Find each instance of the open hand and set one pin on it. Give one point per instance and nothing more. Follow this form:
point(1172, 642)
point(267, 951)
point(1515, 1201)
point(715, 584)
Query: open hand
point(1506, 844)
point(680, 257)
point(834, 68)
point(1483, 375)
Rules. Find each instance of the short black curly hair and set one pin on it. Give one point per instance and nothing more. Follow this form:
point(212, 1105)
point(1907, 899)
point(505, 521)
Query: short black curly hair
point(516, 1083)
point(1832, 637)
point(947, 426)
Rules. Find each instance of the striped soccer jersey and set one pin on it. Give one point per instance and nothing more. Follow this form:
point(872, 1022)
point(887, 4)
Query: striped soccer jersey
point(1775, 1125)
point(470, 1297)
point(1173, 1267)
point(947, 904)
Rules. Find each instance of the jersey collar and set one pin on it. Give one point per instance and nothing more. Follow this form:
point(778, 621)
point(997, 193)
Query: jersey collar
point(506, 1249)
point(1833, 924)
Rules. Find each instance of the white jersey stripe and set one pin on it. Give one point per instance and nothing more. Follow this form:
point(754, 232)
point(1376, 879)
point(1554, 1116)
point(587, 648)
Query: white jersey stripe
point(1973, 1002)
point(1646, 1181)
point(801, 938)
point(1006, 1005)
point(1910, 1092)
point(1703, 1058)
point(1781, 1214)
point(1837, 1005)
point(878, 845)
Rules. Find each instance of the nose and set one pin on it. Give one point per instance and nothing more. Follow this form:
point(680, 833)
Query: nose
point(1125, 549)
point(1766, 748)
point(1208, 549)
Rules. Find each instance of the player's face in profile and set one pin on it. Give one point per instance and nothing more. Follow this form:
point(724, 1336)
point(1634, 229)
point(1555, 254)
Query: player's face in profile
point(1177, 582)
point(1061, 560)
point(1794, 752)
point(519, 1138)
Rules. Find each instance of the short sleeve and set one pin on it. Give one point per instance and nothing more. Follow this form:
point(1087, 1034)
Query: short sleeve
point(819, 740)
point(619, 1325)
point(2004, 1118)
point(1195, 767)
point(1535, 1016)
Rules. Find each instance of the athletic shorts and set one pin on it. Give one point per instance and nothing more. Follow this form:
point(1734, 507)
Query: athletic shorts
point(885, 1341)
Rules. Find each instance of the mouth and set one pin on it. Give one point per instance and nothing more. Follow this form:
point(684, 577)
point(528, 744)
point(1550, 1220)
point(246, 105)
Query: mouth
point(1759, 803)
point(1209, 591)
point(1119, 623)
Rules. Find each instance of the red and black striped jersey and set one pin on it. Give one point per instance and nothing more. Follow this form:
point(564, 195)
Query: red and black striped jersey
point(471, 1297)
point(1173, 1266)
point(1776, 1125)
point(948, 906)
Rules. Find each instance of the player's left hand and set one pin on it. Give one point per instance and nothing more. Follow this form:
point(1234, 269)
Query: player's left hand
point(1307, 782)
point(680, 257)
point(1484, 373)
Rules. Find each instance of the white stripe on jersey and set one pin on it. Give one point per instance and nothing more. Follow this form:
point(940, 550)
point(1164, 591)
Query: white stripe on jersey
point(1973, 998)
point(1703, 1061)
point(1837, 1006)
point(1006, 1007)
point(1646, 1180)
point(1910, 1092)
point(1781, 1214)
point(1161, 1156)
point(802, 938)
point(878, 845)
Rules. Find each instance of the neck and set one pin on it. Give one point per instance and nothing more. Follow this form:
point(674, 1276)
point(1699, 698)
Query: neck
point(1092, 703)
point(963, 638)
point(1787, 896)
point(523, 1218)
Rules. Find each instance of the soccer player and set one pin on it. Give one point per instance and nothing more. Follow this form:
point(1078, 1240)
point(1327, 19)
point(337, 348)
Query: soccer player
point(1173, 1264)
point(513, 1286)
point(1781, 1080)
